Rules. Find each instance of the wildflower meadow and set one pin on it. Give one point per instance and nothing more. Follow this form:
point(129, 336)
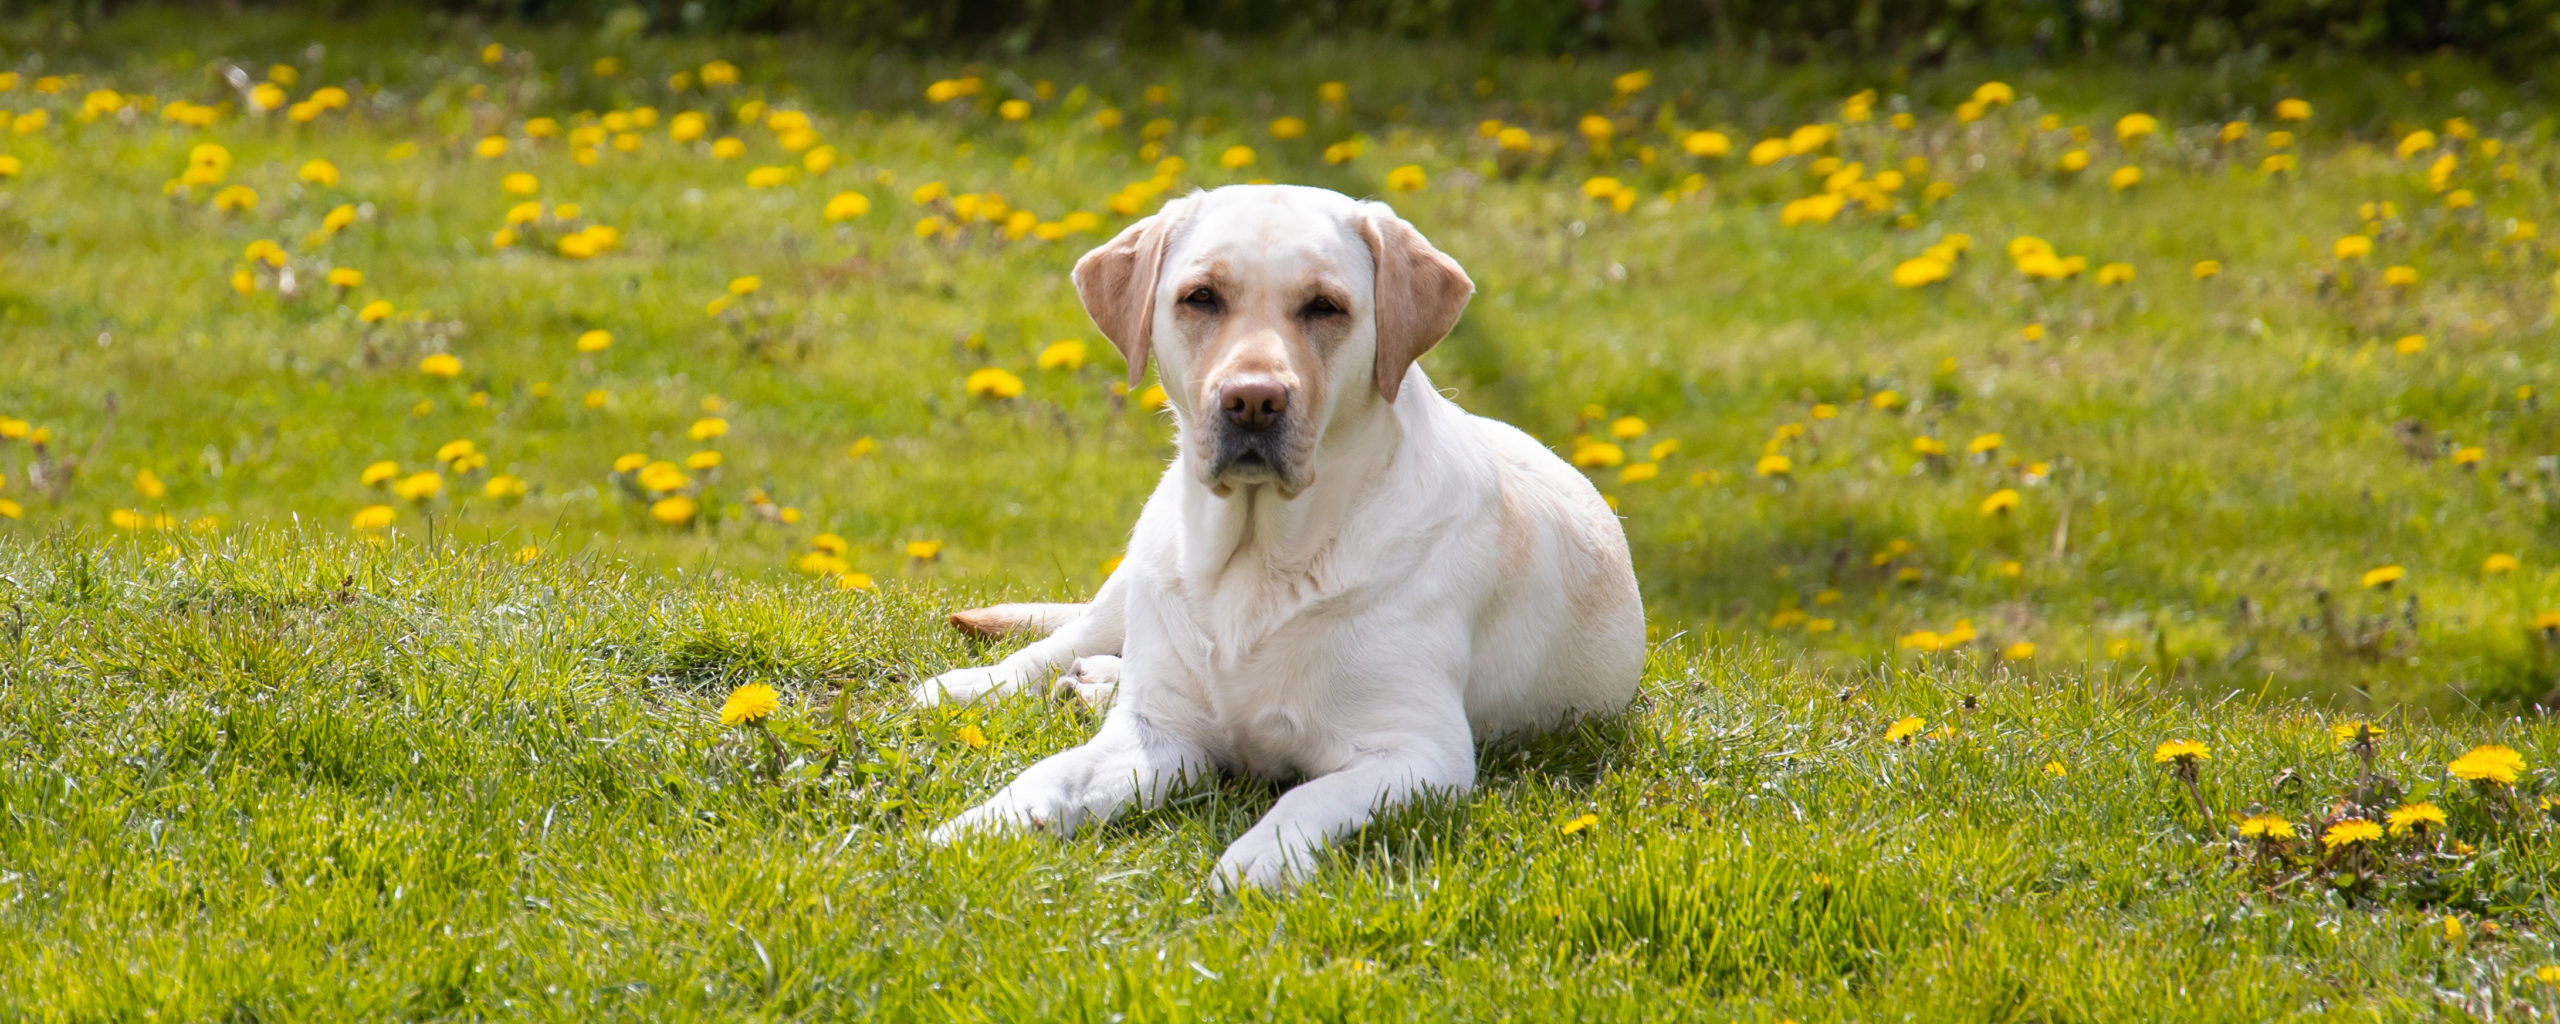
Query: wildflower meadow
point(474, 496)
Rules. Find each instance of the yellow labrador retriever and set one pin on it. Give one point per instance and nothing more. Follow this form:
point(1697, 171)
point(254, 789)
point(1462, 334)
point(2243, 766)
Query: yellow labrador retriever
point(1343, 577)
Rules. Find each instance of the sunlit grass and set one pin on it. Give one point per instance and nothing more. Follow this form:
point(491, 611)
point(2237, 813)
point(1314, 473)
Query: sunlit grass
point(296, 776)
point(1934, 569)
point(2221, 455)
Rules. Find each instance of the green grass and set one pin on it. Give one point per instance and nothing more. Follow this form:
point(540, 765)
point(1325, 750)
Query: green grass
point(292, 777)
point(266, 765)
point(2224, 454)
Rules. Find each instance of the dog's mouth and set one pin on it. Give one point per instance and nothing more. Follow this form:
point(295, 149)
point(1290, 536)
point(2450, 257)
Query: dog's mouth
point(1251, 464)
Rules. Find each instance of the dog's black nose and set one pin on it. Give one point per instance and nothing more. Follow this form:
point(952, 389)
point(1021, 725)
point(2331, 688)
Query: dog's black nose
point(1254, 403)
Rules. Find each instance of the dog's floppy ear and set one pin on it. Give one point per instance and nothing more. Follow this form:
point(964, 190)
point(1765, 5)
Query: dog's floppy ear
point(1117, 282)
point(1420, 293)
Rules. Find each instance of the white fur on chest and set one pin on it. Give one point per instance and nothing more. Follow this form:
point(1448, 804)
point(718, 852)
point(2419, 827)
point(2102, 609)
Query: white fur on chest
point(1251, 662)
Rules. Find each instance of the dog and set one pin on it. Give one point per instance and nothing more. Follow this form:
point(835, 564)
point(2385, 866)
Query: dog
point(1342, 577)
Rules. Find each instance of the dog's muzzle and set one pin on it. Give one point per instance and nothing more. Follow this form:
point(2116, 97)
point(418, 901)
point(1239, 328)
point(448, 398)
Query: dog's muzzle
point(1253, 443)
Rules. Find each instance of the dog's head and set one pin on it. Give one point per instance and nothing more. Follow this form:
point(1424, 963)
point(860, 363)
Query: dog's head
point(1276, 312)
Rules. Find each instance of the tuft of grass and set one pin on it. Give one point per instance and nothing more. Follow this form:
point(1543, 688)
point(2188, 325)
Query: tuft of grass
point(292, 775)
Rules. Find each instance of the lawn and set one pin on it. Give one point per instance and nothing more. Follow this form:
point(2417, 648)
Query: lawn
point(411, 430)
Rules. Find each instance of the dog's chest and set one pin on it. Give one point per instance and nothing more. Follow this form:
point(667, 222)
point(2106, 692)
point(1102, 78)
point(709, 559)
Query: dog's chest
point(1260, 668)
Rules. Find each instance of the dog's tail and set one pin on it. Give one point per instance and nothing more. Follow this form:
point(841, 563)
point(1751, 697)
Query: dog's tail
point(1015, 619)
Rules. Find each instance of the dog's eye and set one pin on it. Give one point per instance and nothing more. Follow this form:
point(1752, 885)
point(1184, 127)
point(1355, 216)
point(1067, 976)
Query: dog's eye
point(1201, 298)
point(1320, 306)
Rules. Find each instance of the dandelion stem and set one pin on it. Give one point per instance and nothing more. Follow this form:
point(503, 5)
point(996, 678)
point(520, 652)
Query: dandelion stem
point(2188, 776)
point(773, 752)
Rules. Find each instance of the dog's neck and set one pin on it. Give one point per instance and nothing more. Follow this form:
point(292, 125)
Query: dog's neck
point(1255, 524)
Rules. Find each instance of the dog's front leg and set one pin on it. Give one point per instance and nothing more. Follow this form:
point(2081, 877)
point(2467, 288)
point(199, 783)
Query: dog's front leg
point(1129, 762)
point(1095, 635)
point(1280, 850)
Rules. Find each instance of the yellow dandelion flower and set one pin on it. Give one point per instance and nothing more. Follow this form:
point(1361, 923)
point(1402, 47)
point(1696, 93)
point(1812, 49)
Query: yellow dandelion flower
point(2500, 563)
point(1577, 824)
point(924, 550)
point(1598, 454)
point(993, 382)
point(675, 510)
point(1920, 271)
point(418, 486)
point(2417, 817)
point(2266, 826)
point(1903, 729)
point(2350, 832)
point(2493, 763)
point(2180, 750)
point(2382, 576)
point(1064, 354)
point(749, 703)
point(847, 205)
point(441, 364)
point(2124, 178)
point(658, 475)
point(1709, 145)
point(375, 517)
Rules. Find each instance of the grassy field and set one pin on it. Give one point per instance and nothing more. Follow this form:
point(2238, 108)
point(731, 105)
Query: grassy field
point(410, 431)
point(291, 777)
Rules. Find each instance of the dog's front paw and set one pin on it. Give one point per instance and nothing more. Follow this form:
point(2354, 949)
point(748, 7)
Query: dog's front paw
point(982, 818)
point(962, 685)
point(1019, 808)
point(1261, 860)
point(1096, 679)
